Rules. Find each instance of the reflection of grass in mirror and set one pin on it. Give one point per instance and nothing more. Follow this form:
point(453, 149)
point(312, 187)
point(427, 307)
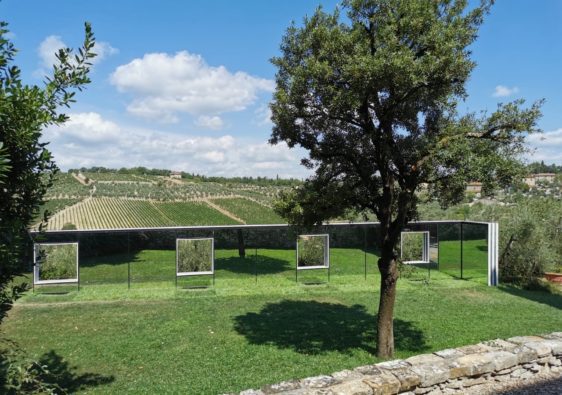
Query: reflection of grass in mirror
point(195, 255)
point(311, 250)
point(412, 247)
point(57, 262)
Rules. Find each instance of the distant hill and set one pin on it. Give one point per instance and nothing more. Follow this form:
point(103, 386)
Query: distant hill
point(102, 199)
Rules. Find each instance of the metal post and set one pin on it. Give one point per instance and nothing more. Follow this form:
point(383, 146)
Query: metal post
point(365, 250)
point(438, 243)
point(128, 260)
point(462, 248)
point(297, 262)
point(78, 259)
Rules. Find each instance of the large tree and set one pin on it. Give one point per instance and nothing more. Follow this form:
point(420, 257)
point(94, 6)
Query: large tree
point(26, 165)
point(373, 99)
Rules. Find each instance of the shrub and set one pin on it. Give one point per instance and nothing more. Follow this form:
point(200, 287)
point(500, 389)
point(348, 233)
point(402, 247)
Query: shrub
point(311, 251)
point(195, 255)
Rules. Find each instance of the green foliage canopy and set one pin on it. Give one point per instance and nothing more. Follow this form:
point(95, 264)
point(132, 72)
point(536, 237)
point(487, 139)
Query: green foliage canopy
point(26, 165)
point(373, 99)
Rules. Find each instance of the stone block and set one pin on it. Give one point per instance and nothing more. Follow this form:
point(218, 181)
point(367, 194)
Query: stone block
point(473, 382)
point(449, 353)
point(407, 377)
point(383, 384)
point(346, 375)
point(500, 344)
point(473, 365)
point(540, 347)
point(524, 339)
point(368, 369)
point(525, 354)
point(454, 384)
point(281, 387)
point(431, 374)
point(252, 392)
point(423, 390)
point(424, 359)
point(555, 346)
point(395, 364)
point(353, 387)
point(318, 382)
point(503, 360)
point(475, 349)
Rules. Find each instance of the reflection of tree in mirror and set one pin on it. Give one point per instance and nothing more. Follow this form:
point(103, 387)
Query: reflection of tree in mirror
point(195, 255)
point(311, 250)
point(412, 247)
point(57, 261)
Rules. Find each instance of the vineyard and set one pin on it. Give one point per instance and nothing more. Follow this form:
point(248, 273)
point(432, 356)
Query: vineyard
point(115, 200)
point(249, 211)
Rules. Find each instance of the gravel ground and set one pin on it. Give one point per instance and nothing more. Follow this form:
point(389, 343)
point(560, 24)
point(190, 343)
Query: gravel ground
point(546, 383)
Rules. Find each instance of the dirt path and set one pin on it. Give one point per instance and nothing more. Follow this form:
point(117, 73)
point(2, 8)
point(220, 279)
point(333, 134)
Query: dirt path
point(223, 211)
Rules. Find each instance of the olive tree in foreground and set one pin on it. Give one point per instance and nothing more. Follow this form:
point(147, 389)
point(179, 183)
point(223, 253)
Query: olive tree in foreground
point(26, 164)
point(373, 99)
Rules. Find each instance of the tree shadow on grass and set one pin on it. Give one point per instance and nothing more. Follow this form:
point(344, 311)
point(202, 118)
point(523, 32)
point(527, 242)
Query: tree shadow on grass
point(51, 372)
point(539, 295)
point(310, 327)
point(251, 263)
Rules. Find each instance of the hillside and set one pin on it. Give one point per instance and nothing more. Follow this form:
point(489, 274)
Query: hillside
point(106, 200)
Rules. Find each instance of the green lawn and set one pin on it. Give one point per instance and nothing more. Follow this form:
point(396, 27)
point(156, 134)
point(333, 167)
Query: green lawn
point(249, 331)
point(475, 259)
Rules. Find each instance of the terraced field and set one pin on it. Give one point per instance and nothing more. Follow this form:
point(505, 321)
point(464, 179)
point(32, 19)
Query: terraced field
point(111, 213)
point(193, 213)
point(249, 211)
point(115, 200)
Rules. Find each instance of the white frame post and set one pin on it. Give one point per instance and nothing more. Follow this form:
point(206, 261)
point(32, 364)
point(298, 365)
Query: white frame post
point(184, 274)
point(425, 247)
point(493, 252)
point(37, 270)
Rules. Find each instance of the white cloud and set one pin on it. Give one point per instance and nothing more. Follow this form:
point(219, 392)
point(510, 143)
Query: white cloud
point(547, 146)
point(88, 139)
point(102, 50)
point(51, 45)
point(263, 116)
point(504, 91)
point(48, 50)
point(164, 85)
point(210, 122)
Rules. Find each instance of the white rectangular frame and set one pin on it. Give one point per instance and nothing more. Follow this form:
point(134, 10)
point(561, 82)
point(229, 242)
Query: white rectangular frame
point(36, 267)
point(425, 247)
point(326, 264)
point(184, 274)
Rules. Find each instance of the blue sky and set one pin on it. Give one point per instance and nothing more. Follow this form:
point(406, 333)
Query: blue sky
point(215, 55)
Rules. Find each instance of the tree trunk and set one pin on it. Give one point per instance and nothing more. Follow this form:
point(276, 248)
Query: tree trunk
point(385, 321)
point(241, 245)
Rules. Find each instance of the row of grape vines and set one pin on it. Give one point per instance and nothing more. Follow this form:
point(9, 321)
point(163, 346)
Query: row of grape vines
point(111, 213)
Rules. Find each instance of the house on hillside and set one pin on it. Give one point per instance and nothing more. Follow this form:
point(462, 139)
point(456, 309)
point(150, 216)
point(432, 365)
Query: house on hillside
point(474, 187)
point(175, 174)
point(531, 180)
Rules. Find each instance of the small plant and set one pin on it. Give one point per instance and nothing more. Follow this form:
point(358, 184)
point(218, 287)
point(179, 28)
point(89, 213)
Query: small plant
point(412, 246)
point(57, 262)
point(311, 251)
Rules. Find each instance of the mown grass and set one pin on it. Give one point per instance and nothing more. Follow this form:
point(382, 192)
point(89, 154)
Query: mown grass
point(249, 331)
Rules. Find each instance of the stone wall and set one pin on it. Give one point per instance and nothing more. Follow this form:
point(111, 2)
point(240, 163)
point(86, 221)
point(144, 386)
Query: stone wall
point(451, 371)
